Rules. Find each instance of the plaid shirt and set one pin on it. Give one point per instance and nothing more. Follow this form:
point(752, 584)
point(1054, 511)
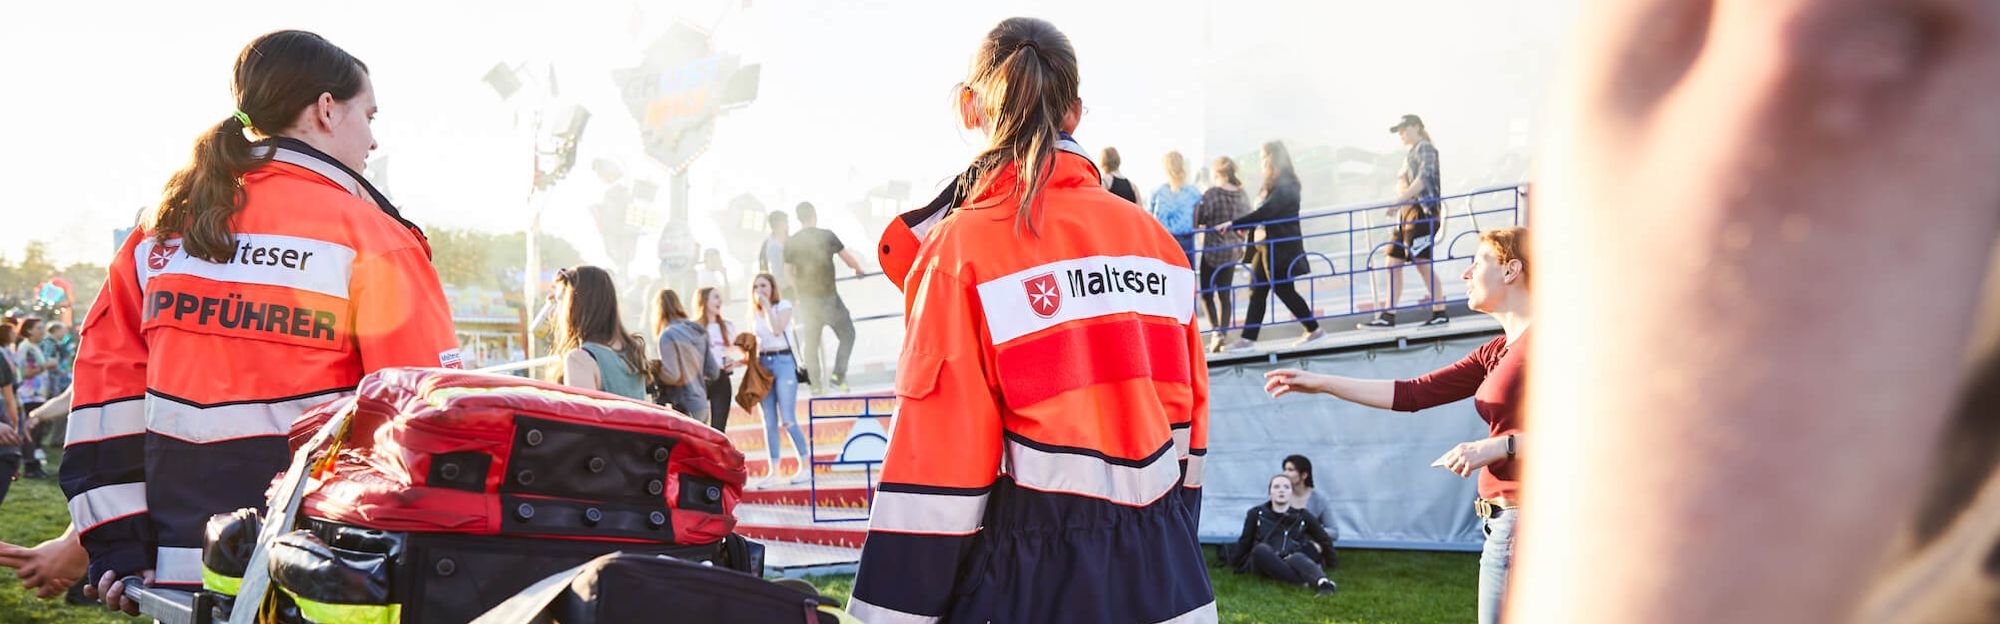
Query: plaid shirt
point(1421, 165)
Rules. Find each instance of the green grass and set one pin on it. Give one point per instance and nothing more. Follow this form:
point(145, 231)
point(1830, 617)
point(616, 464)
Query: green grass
point(1375, 585)
point(35, 511)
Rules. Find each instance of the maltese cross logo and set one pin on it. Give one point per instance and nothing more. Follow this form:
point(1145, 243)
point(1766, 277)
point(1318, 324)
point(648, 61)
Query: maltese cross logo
point(158, 257)
point(1044, 297)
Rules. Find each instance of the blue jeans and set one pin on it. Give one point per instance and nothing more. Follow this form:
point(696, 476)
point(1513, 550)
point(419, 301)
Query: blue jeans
point(1494, 560)
point(784, 398)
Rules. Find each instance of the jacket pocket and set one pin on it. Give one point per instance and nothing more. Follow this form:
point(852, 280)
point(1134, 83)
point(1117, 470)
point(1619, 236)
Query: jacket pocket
point(917, 374)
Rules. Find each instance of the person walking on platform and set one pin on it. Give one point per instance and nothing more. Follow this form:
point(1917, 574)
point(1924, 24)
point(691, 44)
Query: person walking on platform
point(1280, 260)
point(1220, 247)
point(269, 279)
point(1173, 203)
point(1493, 376)
point(1046, 461)
point(1415, 237)
point(1115, 180)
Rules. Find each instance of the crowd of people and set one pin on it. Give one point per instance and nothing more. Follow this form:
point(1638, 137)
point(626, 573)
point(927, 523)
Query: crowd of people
point(1220, 228)
point(36, 361)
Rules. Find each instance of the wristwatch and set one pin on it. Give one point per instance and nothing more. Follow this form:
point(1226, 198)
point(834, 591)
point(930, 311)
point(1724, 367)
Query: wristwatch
point(1510, 446)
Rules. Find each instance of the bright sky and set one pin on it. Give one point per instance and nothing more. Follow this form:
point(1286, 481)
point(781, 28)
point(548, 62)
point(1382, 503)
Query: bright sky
point(107, 97)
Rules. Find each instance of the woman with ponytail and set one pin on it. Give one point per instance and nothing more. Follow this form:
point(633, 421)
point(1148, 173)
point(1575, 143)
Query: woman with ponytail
point(270, 278)
point(1045, 464)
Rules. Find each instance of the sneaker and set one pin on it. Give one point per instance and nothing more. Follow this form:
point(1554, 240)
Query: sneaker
point(1240, 345)
point(1383, 320)
point(1325, 587)
point(35, 473)
point(1309, 337)
point(798, 477)
point(1437, 318)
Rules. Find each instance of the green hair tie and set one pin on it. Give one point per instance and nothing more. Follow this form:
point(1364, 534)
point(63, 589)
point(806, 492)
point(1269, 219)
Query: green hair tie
point(240, 116)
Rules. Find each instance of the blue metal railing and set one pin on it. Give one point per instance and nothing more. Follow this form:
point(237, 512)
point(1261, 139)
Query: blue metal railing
point(814, 414)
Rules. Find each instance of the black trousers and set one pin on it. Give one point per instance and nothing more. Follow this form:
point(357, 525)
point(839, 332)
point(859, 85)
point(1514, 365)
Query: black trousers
point(1221, 303)
point(1295, 568)
point(1260, 289)
point(8, 464)
point(719, 399)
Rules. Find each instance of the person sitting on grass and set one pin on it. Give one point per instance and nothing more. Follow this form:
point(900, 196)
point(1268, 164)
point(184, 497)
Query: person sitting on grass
point(1283, 542)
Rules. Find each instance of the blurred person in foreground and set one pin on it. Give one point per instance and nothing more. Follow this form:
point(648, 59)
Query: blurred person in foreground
point(1050, 330)
point(1796, 421)
point(1493, 376)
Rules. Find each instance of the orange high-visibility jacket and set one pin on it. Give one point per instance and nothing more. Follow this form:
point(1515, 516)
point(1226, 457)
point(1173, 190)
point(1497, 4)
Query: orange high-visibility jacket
point(190, 372)
point(1046, 455)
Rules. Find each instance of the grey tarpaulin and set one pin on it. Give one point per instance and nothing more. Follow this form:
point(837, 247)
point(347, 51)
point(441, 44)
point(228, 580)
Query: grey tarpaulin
point(1374, 465)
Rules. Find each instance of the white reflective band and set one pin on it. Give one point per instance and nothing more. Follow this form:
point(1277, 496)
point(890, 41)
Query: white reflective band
point(90, 424)
point(178, 565)
point(1183, 438)
point(881, 615)
point(1200, 615)
point(1194, 469)
point(106, 503)
point(202, 425)
point(1060, 292)
point(286, 261)
point(1089, 476)
point(937, 514)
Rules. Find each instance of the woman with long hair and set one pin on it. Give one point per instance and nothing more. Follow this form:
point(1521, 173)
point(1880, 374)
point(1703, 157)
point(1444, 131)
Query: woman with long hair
point(771, 316)
point(1280, 259)
point(1045, 464)
point(675, 335)
point(1220, 246)
point(1300, 469)
point(1173, 203)
point(1492, 376)
point(597, 353)
point(721, 335)
point(1114, 180)
point(270, 278)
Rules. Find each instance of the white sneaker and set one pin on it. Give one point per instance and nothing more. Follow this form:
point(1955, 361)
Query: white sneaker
point(798, 477)
point(1310, 337)
point(1240, 345)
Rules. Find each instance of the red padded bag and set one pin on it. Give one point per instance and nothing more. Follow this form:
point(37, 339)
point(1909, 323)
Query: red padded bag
point(443, 451)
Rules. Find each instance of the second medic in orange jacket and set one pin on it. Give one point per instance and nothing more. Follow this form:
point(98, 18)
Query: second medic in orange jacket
point(1045, 461)
point(271, 278)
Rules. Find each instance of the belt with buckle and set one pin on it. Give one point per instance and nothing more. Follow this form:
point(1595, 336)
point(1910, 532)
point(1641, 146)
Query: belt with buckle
point(1491, 507)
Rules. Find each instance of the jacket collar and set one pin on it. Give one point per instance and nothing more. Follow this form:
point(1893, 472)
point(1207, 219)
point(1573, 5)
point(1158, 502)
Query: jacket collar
point(907, 231)
point(297, 153)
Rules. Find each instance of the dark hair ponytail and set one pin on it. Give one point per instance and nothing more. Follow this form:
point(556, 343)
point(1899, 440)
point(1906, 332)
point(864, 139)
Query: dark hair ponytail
point(277, 76)
point(1026, 78)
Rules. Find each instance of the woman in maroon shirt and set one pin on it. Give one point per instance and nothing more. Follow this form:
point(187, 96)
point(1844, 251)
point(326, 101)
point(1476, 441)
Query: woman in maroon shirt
point(1492, 376)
